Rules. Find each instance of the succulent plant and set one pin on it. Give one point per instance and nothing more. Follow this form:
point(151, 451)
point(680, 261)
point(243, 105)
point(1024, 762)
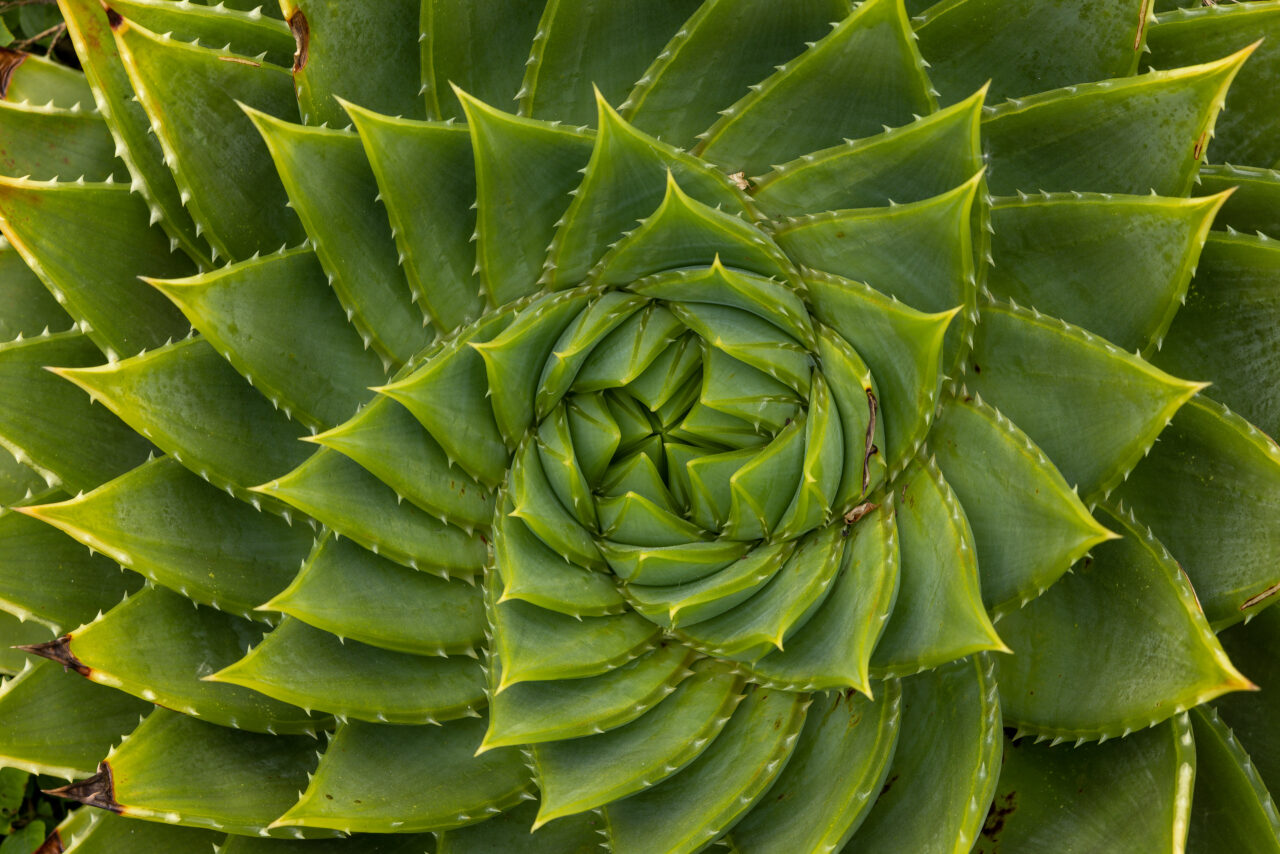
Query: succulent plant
point(778, 427)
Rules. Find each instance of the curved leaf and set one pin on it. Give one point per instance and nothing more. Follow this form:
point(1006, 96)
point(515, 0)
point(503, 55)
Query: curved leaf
point(178, 531)
point(1029, 527)
point(944, 770)
point(1092, 408)
point(1132, 794)
point(1117, 645)
point(1210, 490)
point(405, 779)
point(1076, 138)
point(863, 75)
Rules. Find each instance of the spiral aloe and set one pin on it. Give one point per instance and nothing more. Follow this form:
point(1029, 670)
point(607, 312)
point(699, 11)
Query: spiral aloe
point(645, 427)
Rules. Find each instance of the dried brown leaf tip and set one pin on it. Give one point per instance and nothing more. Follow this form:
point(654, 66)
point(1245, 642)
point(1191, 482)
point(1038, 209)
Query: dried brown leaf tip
point(96, 791)
point(302, 37)
point(9, 62)
point(58, 650)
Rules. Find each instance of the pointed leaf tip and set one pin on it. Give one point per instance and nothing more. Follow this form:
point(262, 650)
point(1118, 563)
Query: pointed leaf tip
point(59, 650)
point(95, 791)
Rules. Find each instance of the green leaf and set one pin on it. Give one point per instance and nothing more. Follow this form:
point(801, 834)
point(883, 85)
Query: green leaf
point(1117, 645)
point(1092, 408)
point(196, 408)
point(761, 489)
point(531, 712)
point(481, 47)
point(26, 839)
point(912, 163)
point(103, 832)
point(15, 633)
point(276, 321)
point(671, 564)
point(1221, 334)
point(333, 189)
point(19, 483)
point(903, 349)
point(535, 504)
point(684, 604)
point(48, 143)
point(560, 464)
point(1028, 525)
point(192, 96)
point(155, 647)
point(351, 592)
point(711, 794)
point(1252, 715)
point(1078, 138)
point(1246, 131)
point(13, 788)
point(1209, 490)
point(1026, 47)
point(535, 573)
point(676, 98)
point(427, 180)
point(139, 148)
point(385, 439)
point(311, 668)
point(623, 354)
point(684, 232)
point(607, 327)
point(944, 769)
point(29, 307)
point(718, 285)
point(634, 520)
point(623, 183)
point(252, 5)
point(939, 615)
point(832, 650)
point(449, 395)
point(1118, 267)
point(733, 387)
point(49, 577)
point(525, 170)
point(1231, 805)
point(49, 224)
point(342, 495)
point(581, 774)
point(33, 20)
point(1132, 794)
point(562, 65)
point(509, 831)
point(863, 75)
point(857, 403)
point(921, 253)
point(748, 338)
point(57, 431)
point(99, 831)
point(766, 620)
point(179, 770)
point(165, 523)
point(535, 644)
point(247, 33)
point(381, 39)
point(832, 778)
point(1255, 203)
point(59, 723)
point(41, 80)
point(405, 779)
point(515, 358)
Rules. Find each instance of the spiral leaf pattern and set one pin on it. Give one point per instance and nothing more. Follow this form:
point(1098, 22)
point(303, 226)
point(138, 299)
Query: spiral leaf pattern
point(644, 427)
